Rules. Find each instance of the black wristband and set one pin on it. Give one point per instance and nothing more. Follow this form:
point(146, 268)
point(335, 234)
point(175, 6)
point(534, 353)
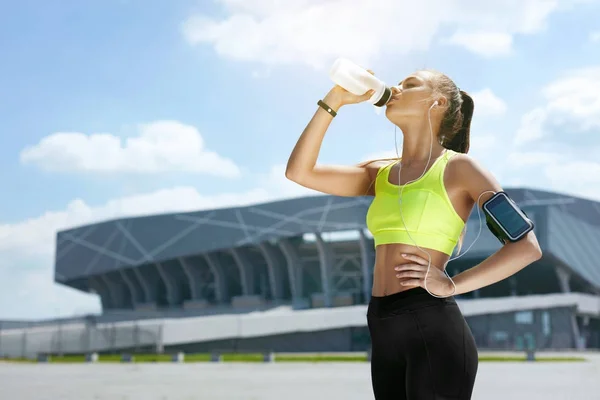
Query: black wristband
point(326, 108)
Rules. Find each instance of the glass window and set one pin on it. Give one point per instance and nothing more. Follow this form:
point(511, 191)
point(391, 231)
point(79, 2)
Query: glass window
point(524, 317)
point(499, 335)
point(546, 327)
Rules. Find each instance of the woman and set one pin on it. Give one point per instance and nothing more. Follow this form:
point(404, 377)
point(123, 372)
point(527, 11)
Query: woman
point(422, 347)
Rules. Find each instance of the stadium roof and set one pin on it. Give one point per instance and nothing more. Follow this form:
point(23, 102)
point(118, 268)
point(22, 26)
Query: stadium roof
point(567, 227)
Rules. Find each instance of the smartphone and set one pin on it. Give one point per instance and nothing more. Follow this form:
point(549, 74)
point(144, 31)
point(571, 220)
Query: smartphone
point(506, 218)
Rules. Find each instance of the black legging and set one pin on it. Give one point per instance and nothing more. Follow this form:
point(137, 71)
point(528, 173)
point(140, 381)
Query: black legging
point(422, 348)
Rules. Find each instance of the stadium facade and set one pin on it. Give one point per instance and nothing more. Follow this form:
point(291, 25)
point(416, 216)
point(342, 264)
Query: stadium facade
point(295, 275)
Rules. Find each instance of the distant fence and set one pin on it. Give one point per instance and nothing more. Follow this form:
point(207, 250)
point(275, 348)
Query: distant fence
point(80, 338)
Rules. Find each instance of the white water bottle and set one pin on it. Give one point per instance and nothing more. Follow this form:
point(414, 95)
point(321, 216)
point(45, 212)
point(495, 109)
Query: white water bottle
point(358, 81)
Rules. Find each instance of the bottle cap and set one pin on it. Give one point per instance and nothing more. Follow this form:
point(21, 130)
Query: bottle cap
point(385, 97)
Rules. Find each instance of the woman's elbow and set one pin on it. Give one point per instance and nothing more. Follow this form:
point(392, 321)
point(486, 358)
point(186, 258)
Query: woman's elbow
point(536, 252)
point(533, 249)
point(292, 175)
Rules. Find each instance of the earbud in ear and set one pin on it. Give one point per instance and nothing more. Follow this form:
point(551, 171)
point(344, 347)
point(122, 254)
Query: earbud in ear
point(436, 103)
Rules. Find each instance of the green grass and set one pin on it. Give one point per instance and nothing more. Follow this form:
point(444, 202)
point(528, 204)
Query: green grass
point(317, 358)
point(524, 358)
point(197, 357)
point(240, 357)
point(257, 357)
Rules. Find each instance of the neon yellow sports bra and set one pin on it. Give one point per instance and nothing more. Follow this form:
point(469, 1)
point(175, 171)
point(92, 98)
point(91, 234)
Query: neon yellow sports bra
point(429, 215)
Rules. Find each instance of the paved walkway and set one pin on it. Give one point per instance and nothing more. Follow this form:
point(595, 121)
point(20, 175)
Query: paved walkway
point(290, 381)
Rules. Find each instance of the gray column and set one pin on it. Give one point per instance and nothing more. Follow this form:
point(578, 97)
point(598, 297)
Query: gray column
point(325, 261)
point(513, 285)
point(99, 286)
point(173, 295)
point(113, 290)
point(275, 270)
point(192, 276)
point(564, 276)
point(563, 279)
point(367, 257)
point(131, 286)
point(144, 284)
point(575, 329)
point(586, 332)
point(245, 269)
point(119, 287)
point(219, 277)
point(294, 267)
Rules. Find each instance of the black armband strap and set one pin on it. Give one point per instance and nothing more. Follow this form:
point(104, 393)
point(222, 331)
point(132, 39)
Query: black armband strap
point(505, 219)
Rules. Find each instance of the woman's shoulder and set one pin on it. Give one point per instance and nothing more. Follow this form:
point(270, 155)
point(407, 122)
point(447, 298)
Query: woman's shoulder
point(468, 173)
point(462, 162)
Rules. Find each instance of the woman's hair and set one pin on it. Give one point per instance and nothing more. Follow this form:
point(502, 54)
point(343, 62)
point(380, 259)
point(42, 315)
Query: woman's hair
point(455, 127)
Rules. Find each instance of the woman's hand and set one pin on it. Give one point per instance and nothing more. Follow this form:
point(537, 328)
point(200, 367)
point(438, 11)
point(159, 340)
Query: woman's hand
point(437, 281)
point(338, 96)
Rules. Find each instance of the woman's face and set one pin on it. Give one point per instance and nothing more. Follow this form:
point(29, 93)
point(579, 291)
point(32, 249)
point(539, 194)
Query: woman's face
point(411, 98)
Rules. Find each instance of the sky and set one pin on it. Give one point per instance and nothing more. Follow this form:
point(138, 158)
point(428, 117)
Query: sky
point(128, 107)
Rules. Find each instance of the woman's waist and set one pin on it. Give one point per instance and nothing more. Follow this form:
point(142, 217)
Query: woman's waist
point(389, 256)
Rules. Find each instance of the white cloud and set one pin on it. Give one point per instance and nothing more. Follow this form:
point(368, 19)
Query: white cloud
point(32, 294)
point(518, 159)
point(581, 173)
point(563, 171)
point(160, 146)
point(595, 37)
point(571, 102)
point(481, 144)
point(487, 44)
point(287, 33)
point(488, 104)
point(563, 129)
point(531, 127)
point(576, 95)
point(578, 177)
point(314, 32)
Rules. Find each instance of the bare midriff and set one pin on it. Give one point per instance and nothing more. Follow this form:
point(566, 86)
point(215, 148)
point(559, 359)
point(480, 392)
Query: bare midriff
point(389, 256)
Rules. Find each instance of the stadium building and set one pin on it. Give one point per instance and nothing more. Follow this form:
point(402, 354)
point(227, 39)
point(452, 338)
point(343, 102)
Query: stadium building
point(296, 275)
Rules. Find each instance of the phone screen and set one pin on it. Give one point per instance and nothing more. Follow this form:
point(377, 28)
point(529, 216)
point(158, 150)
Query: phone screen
point(507, 216)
